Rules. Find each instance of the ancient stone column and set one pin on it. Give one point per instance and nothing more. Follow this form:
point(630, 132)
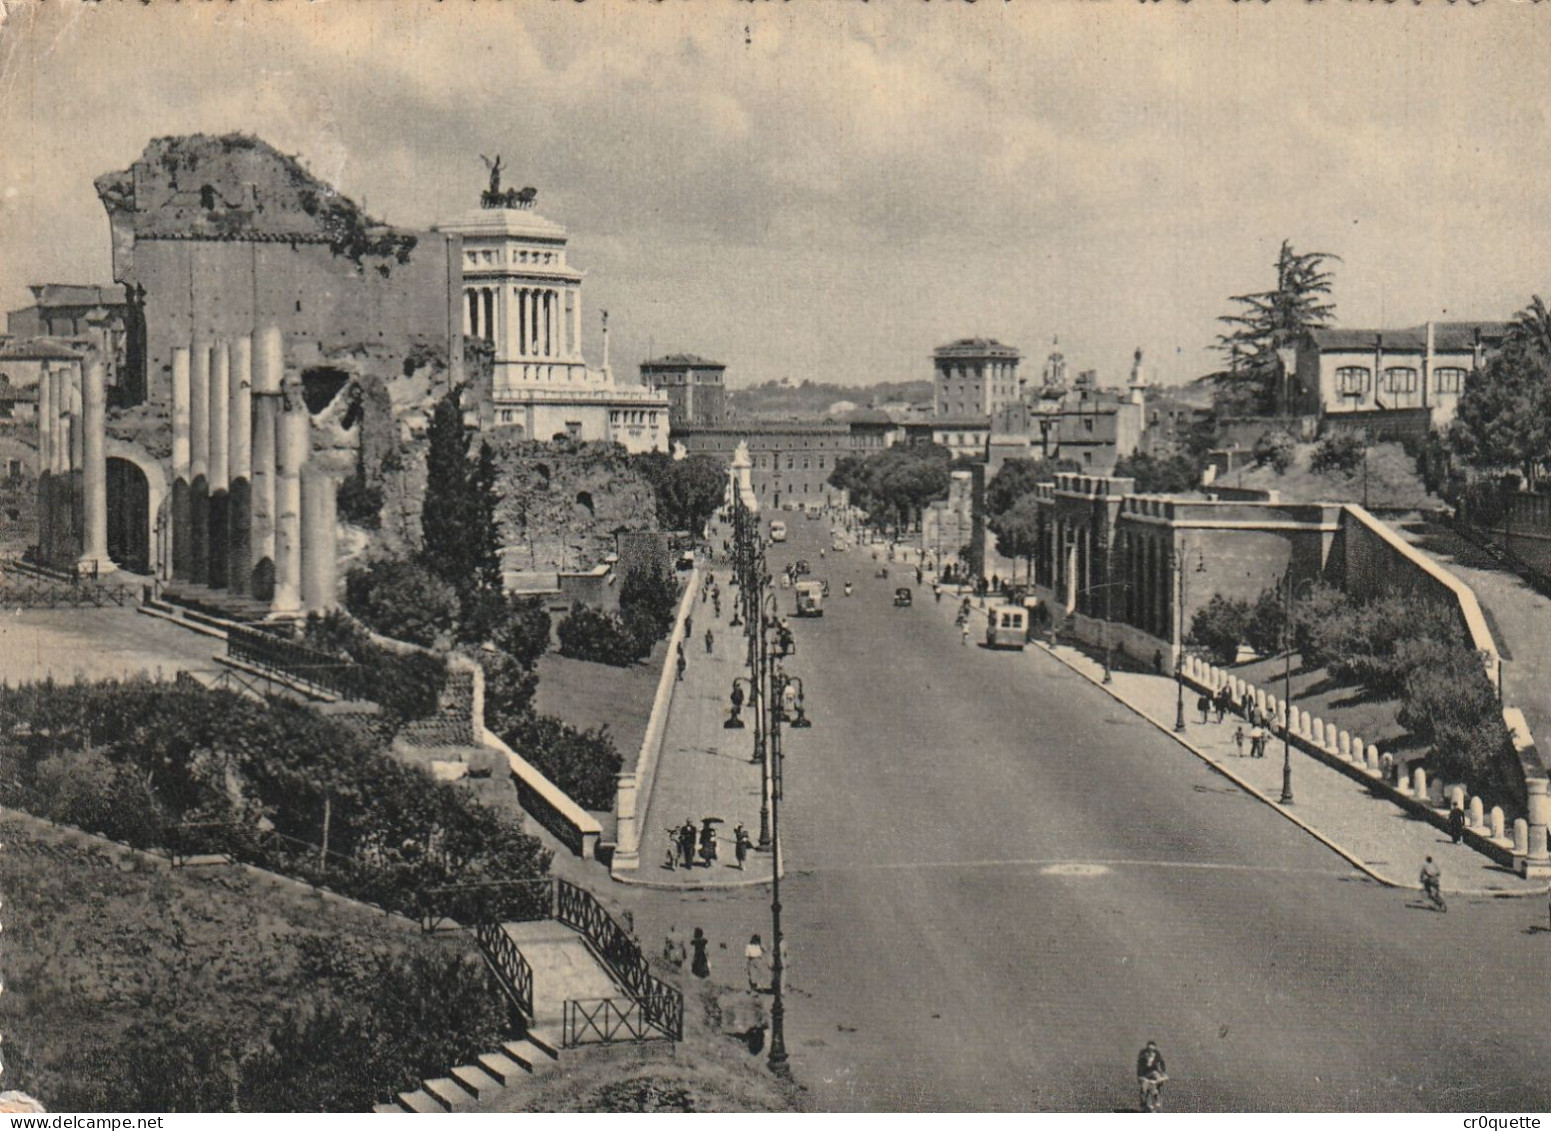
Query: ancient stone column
point(220, 407)
point(182, 561)
point(292, 440)
point(319, 560)
point(94, 468)
point(239, 469)
point(268, 366)
point(199, 462)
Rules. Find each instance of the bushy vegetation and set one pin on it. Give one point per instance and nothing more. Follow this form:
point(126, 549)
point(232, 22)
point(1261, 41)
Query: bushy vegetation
point(687, 491)
point(584, 763)
point(176, 766)
point(213, 991)
point(407, 685)
point(1340, 451)
point(402, 599)
point(1155, 475)
point(1276, 449)
point(893, 486)
point(1391, 646)
point(602, 637)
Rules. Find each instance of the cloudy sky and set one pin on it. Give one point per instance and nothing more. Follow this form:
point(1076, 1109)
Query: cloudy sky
point(827, 189)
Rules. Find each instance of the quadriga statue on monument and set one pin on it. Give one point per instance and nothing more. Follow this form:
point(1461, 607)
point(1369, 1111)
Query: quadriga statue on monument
point(493, 197)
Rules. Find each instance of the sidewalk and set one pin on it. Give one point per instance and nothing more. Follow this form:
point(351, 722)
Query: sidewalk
point(705, 770)
point(1374, 835)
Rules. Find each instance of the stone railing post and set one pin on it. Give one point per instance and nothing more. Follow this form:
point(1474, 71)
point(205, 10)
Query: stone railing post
point(1536, 861)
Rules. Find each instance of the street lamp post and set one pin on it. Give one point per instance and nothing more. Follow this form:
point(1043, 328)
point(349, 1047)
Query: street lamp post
point(1287, 718)
point(1179, 625)
point(780, 683)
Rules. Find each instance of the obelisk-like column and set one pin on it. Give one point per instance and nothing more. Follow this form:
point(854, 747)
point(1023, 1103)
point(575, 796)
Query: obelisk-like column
point(94, 468)
point(268, 368)
point(199, 461)
point(318, 537)
point(182, 549)
point(292, 444)
point(220, 404)
point(239, 458)
point(45, 464)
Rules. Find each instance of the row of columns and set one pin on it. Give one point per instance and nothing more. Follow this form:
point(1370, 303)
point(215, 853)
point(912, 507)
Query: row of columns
point(73, 467)
point(250, 514)
point(534, 322)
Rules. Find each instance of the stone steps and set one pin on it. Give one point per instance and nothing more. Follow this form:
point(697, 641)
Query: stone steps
point(447, 1092)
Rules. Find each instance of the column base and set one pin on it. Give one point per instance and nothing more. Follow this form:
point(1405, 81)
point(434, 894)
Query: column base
point(1533, 867)
point(95, 567)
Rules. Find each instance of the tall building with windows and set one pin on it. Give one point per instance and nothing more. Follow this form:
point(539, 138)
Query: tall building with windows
point(974, 377)
point(521, 296)
point(696, 388)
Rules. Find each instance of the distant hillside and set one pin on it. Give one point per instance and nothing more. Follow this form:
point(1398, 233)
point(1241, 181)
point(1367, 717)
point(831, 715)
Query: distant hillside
point(812, 398)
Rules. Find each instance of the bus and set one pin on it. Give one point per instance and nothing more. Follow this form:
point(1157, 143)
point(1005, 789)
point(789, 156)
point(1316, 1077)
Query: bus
point(1007, 626)
point(778, 531)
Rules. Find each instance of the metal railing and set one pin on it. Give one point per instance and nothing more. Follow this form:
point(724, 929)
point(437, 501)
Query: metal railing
point(312, 669)
point(603, 1020)
point(662, 1005)
point(511, 969)
point(20, 591)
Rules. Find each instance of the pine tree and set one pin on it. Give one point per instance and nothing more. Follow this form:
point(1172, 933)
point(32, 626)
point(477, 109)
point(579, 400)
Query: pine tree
point(447, 516)
point(486, 531)
point(1267, 321)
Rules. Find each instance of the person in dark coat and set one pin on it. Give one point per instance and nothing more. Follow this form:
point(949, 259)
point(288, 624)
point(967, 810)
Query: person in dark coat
point(709, 641)
point(1204, 705)
point(741, 845)
point(1457, 823)
point(700, 965)
point(687, 843)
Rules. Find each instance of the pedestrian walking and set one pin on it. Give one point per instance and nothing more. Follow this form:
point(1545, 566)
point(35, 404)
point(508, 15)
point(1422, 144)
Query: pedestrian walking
point(1432, 884)
point(1224, 702)
point(682, 664)
point(937, 592)
point(707, 843)
point(1257, 741)
point(674, 952)
point(687, 842)
point(964, 633)
point(709, 641)
point(673, 850)
point(1238, 741)
point(1456, 823)
point(700, 965)
point(741, 845)
point(754, 963)
point(1204, 705)
point(689, 625)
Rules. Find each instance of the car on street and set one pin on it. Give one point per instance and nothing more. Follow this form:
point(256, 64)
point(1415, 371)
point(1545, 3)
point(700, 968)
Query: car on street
point(810, 598)
point(801, 569)
point(903, 597)
point(1007, 626)
point(778, 531)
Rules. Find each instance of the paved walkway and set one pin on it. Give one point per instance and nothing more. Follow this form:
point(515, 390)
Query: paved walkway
point(1372, 833)
point(1516, 613)
point(705, 770)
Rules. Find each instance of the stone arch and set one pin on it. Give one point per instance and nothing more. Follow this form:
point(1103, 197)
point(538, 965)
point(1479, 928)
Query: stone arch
point(321, 384)
point(584, 500)
point(139, 525)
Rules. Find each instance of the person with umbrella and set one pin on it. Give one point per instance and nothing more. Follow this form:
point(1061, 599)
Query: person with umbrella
point(708, 840)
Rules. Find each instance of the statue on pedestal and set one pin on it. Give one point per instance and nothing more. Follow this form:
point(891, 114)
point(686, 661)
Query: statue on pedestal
point(493, 197)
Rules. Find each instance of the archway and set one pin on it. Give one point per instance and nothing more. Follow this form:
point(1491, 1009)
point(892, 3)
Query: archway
point(129, 515)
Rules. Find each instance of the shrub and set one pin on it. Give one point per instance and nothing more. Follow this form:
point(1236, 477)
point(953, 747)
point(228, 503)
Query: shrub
point(1266, 626)
point(1220, 627)
point(518, 626)
point(1450, 703)
point(604, 638)
point(360, 502)
point(652, 595)
point(403, 600)
point(405, 684)
point(1321, 623)
point(584, 763)
point(1276, 449)
point(1340, 451)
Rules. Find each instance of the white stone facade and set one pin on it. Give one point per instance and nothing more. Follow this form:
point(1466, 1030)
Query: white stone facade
point(522, 297)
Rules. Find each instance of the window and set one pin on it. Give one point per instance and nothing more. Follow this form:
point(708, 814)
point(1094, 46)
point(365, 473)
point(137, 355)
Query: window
point(1087, 424)
point(821, 463)
point(790, 460)
point(1352, 380)
point(1399, 379)
point(1450, 380)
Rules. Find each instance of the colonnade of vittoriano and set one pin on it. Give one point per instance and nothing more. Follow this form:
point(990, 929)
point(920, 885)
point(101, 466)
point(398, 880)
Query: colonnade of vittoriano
point(249, 513)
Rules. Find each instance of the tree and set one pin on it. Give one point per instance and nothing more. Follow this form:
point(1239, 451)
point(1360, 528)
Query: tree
point(402, 599)
point(1018, 477)
point(650, 593)
point(1275, 448)
point(896, 484)
point(1220, 627)
point(1173, 475)
point(1267, 321)
point(1503, 418)
point(485, 534)
point(687, 491)
point(448, 515)
point(1265, 629)
point(1017, 530)
point(1340, 451)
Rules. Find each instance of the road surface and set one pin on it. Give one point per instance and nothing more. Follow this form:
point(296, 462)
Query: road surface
point(1002, 883)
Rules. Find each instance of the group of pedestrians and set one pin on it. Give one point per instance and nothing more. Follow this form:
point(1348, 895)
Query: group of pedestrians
point(689, 848)
point(1222, 704)
point(757, 961)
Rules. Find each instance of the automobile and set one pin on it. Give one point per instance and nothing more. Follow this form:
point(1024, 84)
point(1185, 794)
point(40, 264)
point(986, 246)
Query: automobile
point(903, 597)
point(815, 515)
point(801, 568)
point(778, 531)
point(810, 598)
point(686, 560)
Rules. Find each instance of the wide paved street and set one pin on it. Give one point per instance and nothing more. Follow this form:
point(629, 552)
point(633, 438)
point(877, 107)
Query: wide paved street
point(1001, 883)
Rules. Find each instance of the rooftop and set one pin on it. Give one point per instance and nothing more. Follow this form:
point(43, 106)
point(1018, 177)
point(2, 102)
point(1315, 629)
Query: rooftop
point(516, 222)
point(38, 349)
point(1446, 336)
point(976, 347)
point(679, 360)
point(75, 294)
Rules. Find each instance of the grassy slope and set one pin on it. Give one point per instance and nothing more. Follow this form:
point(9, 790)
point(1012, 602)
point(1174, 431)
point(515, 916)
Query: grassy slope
point(1392, 480)
point(588, 695)
point(1349, 708)
point(97, 941)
